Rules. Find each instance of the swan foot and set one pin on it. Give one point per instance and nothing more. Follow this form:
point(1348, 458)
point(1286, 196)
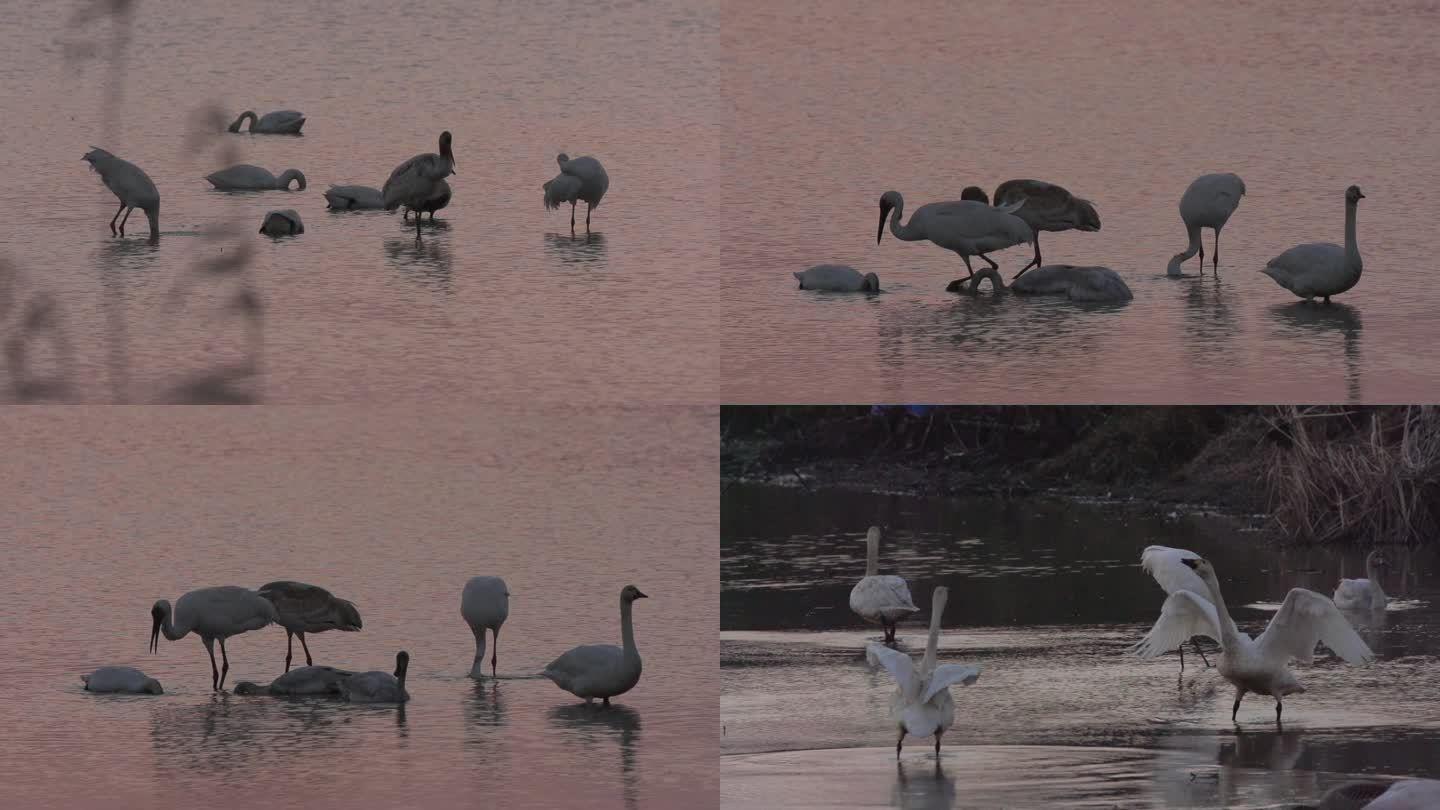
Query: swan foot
point(937, 744)
point(900, 742)
point(1201, 650)
point(1239, 693)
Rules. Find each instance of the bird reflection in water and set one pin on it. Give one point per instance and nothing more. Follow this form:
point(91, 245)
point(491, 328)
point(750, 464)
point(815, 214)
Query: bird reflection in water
point(38, 358)
point(1338, 319)
point(586, 251)
point(592, 725)
point(486, 706)
point(920, 786)
point(427, 262)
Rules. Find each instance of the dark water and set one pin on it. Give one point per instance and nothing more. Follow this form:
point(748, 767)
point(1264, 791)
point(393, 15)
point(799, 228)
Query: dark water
point(1045, 597)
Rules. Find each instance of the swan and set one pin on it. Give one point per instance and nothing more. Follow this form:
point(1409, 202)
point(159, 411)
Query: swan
point(244, 177)
point(130, 184)
point(1321, 268)
point(212, 614)
point(281, 122)
point(1403, 794)
point(580, 179)
point(376, 686)
point(837, 278)
point(1255, 665)
point(877, 599)
point(1363, 594)
point(439, 199)
point(306, 608)
point(416, 181)
point(601, 670)
point(1168, 568)
point(485, 604)
point(1207, 203)
point(1077, 283)
point(922, 704)
point(298, 682)
point(354, 198)
point(121, 679)
point(284, 222)
point(1046, 207)
point(968, 227)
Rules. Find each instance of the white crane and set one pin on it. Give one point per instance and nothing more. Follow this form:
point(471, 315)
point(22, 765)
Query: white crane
point(1093, 283)
point(130, 184)
point(1046, 207)
point(376, 686)
point(580, 179)
point(922, 704)
point(601, 670)
point(121, 679)
point(968, 227)
point(439, 199)
point(299, 682)
point(245, 177)
point(1321, 268)
point(484, 604)
point(1402, 794)
point(1256, 665)
point(880, 599)
point(305, 608)
point(1207, 203)
point(1364, 594)
point(281, 122)
point(213, 614)
point(354, 198)
point(416, 181)
point(282, 222)
point(837, 278)
point(1167, 566)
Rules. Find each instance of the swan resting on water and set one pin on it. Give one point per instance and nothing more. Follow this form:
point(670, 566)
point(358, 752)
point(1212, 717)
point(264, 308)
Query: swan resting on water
point(299, 682)
point(601, 670)
point(121, 679)
point(376, 686)
point(280, 122)
point(247, 177)
point(1099, 284)
point(285, 222)
point(882, 600)
point(1363, 594)
point(922, 705)
point(1404, 794)
point(837, 278)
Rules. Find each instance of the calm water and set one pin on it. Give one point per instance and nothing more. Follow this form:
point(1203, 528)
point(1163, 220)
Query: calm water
point(497, 302)
point(1045, 596)
point(109, 509)
point(830, 103)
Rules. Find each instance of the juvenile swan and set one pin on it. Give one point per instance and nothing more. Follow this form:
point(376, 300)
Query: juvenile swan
point(837, 278)
point(1321, 268)
point(121, 679)
point(1259, 665)
point(882, 600)
point(601, 670)
point(376, 686)
point(922, 704)
point(1363, 594)
point(1094, 283)
point(1047, 207)
point(245, 177)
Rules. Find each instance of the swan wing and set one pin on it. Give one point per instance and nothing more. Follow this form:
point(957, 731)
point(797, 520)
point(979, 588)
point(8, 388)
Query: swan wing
point(1183, 616)
point(948, 675)
point(898, 664)
point(1304, 618)
point(1167, 566)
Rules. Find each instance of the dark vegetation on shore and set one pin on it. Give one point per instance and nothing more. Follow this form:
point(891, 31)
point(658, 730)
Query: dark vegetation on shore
point(1322, 474)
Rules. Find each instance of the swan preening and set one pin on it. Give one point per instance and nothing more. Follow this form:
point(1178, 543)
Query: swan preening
point(418, 180)
point(968, 227)
point(299, 682)
point(282, 222)
point(580, 179)
point(837, 278)
point(922, 705)
point(376, 686)
point(281, 122)
point(1363, 594)
point(1167, 566)
point(1321, 268)
point(601, 670)
point(121, 679)
point(130, 184)
point(882, 600)
point(1207, 203)
point(484, 605)
point(213, 614)
point(1097, 284)
point(245, 177)
point(304, 608)
point(354, 198)
point(1255, 665)
point(1043, 206)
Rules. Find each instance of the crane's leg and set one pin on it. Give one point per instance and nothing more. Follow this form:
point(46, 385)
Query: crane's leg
point(937, 742)
point(418, 217)
point(588, 208)
point(1200, 650)
point(214, 673)
point(405, 214)
point(1034, 262)
point(224, 664)
point(572, 218)
point(1278, 707)
point(960, 281)
point(1215, 260)
point(289, 648)
point(991, 262)
point(306, 647)
point(1239, 693)
point(899, 742)
point(432, 216)
point(1182, 658)
point(493, 650)
point(117, 216)
point(124, 220)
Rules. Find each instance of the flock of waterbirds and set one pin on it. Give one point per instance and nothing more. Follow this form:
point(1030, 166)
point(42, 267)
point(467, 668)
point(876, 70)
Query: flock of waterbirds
point(1022, 209)
point(589, 671)
point(418, 185)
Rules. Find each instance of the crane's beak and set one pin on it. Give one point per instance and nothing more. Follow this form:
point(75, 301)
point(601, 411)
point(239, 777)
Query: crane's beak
point(880, 231)
point(639, 595)
point(1360, 195)
point(155, 636)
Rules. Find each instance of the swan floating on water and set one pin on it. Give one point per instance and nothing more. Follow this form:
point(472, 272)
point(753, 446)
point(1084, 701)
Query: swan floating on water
point(282, 222)
point(580, 179)
point(121, 679)
point(967, 227)
point(354, 198)
point(299, 682)
point(1094, 284)
point(1364, 594)
point(130, 184)
point(1207, 203)
point(601, 670)
point(837, 278)
point(281, 122)
point(245, 177)
point(922, 704)
point(376, 686)
point(485, 604)
point(880, 599)
point(1322, 268)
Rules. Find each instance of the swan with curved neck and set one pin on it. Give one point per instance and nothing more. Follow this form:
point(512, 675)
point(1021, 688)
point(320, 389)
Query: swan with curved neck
point(1364, 594)
point(1077, 283)
point(882, 600)
point(602, 670)
point(1322, 268)
point(281, 122)
point(967, 227)
point(246, 177)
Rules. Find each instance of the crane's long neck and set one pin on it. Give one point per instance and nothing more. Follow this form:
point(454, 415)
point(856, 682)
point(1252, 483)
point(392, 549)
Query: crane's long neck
point(905, 232)
point(627, 631)
point(478, 666)
point(932, 644)
point(872, 553)
point(170, 630)
point(1229, 635)
point(1352, 250)
point(1193, 232)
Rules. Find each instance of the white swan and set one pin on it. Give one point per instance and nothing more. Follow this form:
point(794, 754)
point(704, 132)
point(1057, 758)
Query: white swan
point(283, 222)
point(1167, 566)
point(121, 679)
point(580, 179)
point(1046, 207)
point(1094, 283)
point(245, 177)
point(882, 600)
point(837, 278)
point(922, 704)
point(299, 682)
point(1403, 794)
point(1207, 203)
point(1363, 594)
point(354, 198)
point(376, 686)
point(281, 122)
point(130, 184)
point(484, 604)
point(968, 227)
point(416, 181)
point(1321, 268)
point(601, 670)
point(1259, 665)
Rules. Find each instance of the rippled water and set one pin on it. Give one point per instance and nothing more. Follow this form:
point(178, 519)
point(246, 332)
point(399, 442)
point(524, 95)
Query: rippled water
point(1045, 597)
point(107, 510)
point(830, 103)
point(497, 302)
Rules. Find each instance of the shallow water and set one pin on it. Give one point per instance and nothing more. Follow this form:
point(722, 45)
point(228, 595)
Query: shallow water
point(1123, 105)
point(496, 303)
point(1045, 598)
point(108, 510)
